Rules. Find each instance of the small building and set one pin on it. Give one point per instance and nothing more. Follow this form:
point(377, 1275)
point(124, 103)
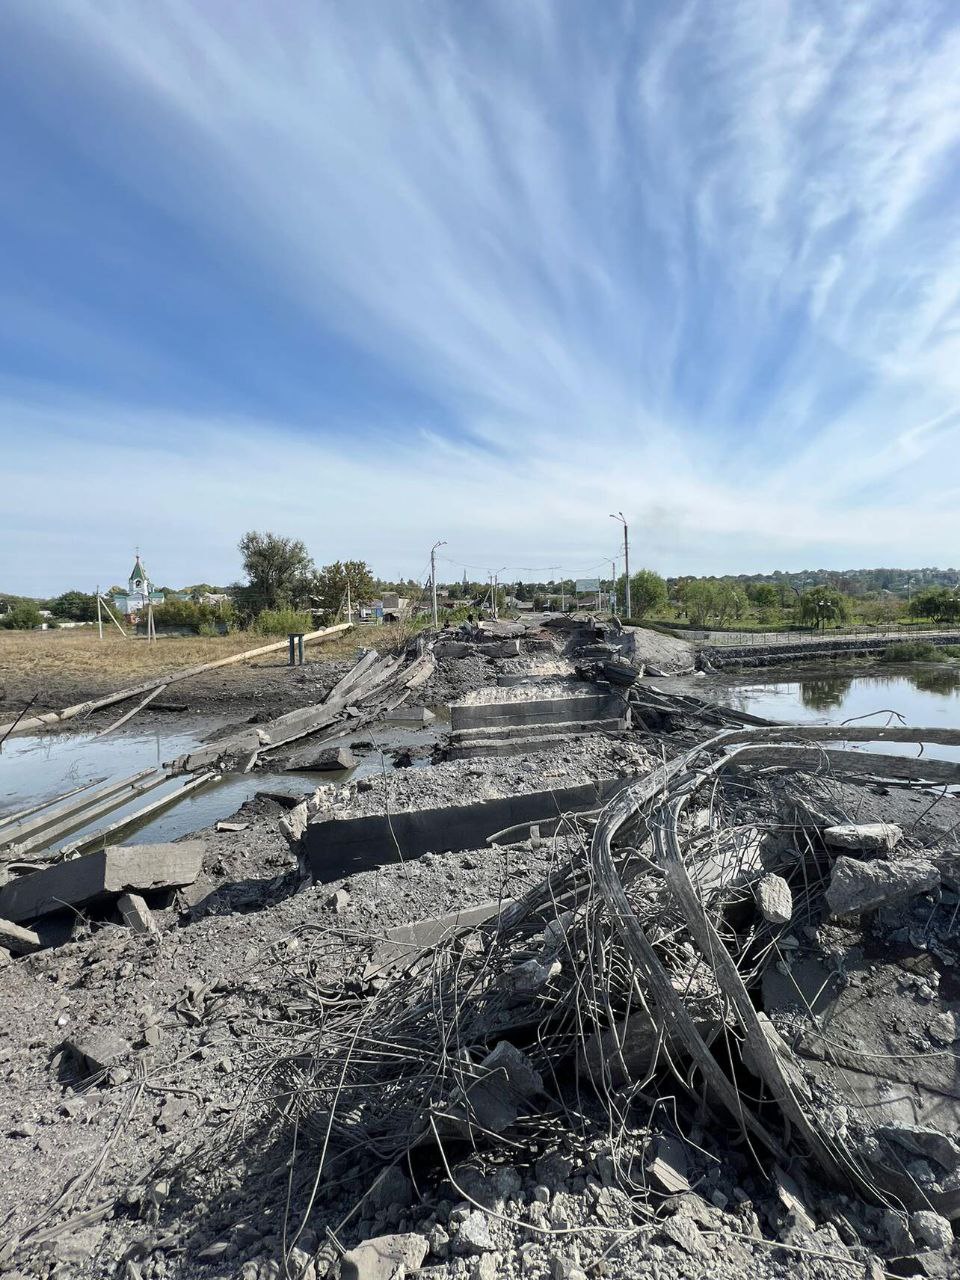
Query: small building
point(139, 593)
point(395, 607)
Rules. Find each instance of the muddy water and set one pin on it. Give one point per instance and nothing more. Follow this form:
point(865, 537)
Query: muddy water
point(923, 694)
point(33, 769)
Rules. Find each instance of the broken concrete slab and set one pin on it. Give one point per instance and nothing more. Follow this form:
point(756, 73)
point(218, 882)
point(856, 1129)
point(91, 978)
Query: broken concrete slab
point(17, 939)
point(135, 913)
point(524, 739)
point(98, 876)
point(500, 649)
point(384, 1257)
point(405, 942)
point(98, 1048)
point(864, 886)
point(775, 899)
point(581, 703)
point(334, 847)
point(507, 1081)
point(323, 760)
point(864, 836)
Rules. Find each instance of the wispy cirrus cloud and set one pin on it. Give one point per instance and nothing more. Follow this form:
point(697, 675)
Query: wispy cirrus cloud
point(513, 264)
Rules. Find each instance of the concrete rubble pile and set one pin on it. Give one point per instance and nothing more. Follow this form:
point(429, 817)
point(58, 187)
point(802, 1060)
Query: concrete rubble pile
point(731, 950)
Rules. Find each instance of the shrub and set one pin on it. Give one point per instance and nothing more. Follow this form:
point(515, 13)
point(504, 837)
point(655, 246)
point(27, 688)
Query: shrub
point(910, 651)
point(21, 617)
point(202, 619)
point(282, 622)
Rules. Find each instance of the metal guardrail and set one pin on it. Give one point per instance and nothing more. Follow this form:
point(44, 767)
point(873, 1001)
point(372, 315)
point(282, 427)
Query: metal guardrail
point(770, 639)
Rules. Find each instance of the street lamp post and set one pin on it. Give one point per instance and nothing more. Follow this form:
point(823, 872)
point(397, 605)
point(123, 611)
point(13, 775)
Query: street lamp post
point(433, 581)
point(626, 558)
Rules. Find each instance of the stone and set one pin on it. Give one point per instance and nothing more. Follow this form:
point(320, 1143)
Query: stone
point(668, 1167)
point(931, 1229)
point(684, 1232)
point(775, 899)
point(864, 886)
point(507, 1080)
point(391, 1187)
point(486, 1267)
point(98, 1048)
point(384, 1257)
point(5, 957)
point(338, 901)
point(15, 938)
point(943, 1028)
point(232, 826)
point(136, 914)
point(864, 836)
point(473, 1234)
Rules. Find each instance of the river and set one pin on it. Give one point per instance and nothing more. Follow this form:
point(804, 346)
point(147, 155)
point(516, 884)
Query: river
point(919, 695)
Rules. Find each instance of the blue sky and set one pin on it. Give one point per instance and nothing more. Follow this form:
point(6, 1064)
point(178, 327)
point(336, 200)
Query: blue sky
point(377, 274)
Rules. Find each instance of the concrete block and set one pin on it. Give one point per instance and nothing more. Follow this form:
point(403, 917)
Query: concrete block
point(337, 847)
point(864, 886)
point(136, 914)
point(537, 711)
point(864, 836)
point(384, 1257)
point(98, 1048)
point(17, 939)
point(500, 649)
point(323, 759)
point(452, 649)
point(102, 875)
point(404, 942)
point(775, 899)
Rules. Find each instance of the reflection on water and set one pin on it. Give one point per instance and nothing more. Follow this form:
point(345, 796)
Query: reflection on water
point(934, 679)
point(926, 695)
point(821, 695)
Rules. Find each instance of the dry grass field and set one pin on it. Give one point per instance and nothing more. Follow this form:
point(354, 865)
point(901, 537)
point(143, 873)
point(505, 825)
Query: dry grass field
point(64, 664)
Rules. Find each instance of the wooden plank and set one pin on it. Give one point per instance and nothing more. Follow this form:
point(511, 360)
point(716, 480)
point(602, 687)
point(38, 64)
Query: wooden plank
point(56, 717)
point(130, 714)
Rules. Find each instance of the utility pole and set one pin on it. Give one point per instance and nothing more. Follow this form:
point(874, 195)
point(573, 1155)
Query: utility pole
point(349, 607)
point(99, 614)
point(433, 581)
point(613, 585)
point(626, 557)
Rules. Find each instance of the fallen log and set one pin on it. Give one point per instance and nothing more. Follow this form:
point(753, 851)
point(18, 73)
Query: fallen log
point(82, 708)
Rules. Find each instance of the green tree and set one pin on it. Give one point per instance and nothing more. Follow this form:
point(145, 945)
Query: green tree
point(329, 587)
point(648, 592)
point(75, 605)
point(698, 600)
point(278, 570)
point(939, 603)
point(767, 599)
point(820, 605)
point(21, 617)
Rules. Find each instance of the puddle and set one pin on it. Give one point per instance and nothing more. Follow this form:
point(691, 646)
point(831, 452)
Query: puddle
point(35, 769)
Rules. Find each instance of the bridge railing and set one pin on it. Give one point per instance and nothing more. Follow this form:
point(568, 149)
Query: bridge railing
point(767, 639)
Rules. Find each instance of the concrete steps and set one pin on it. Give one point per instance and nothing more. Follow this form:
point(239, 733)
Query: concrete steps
point(516, 740)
